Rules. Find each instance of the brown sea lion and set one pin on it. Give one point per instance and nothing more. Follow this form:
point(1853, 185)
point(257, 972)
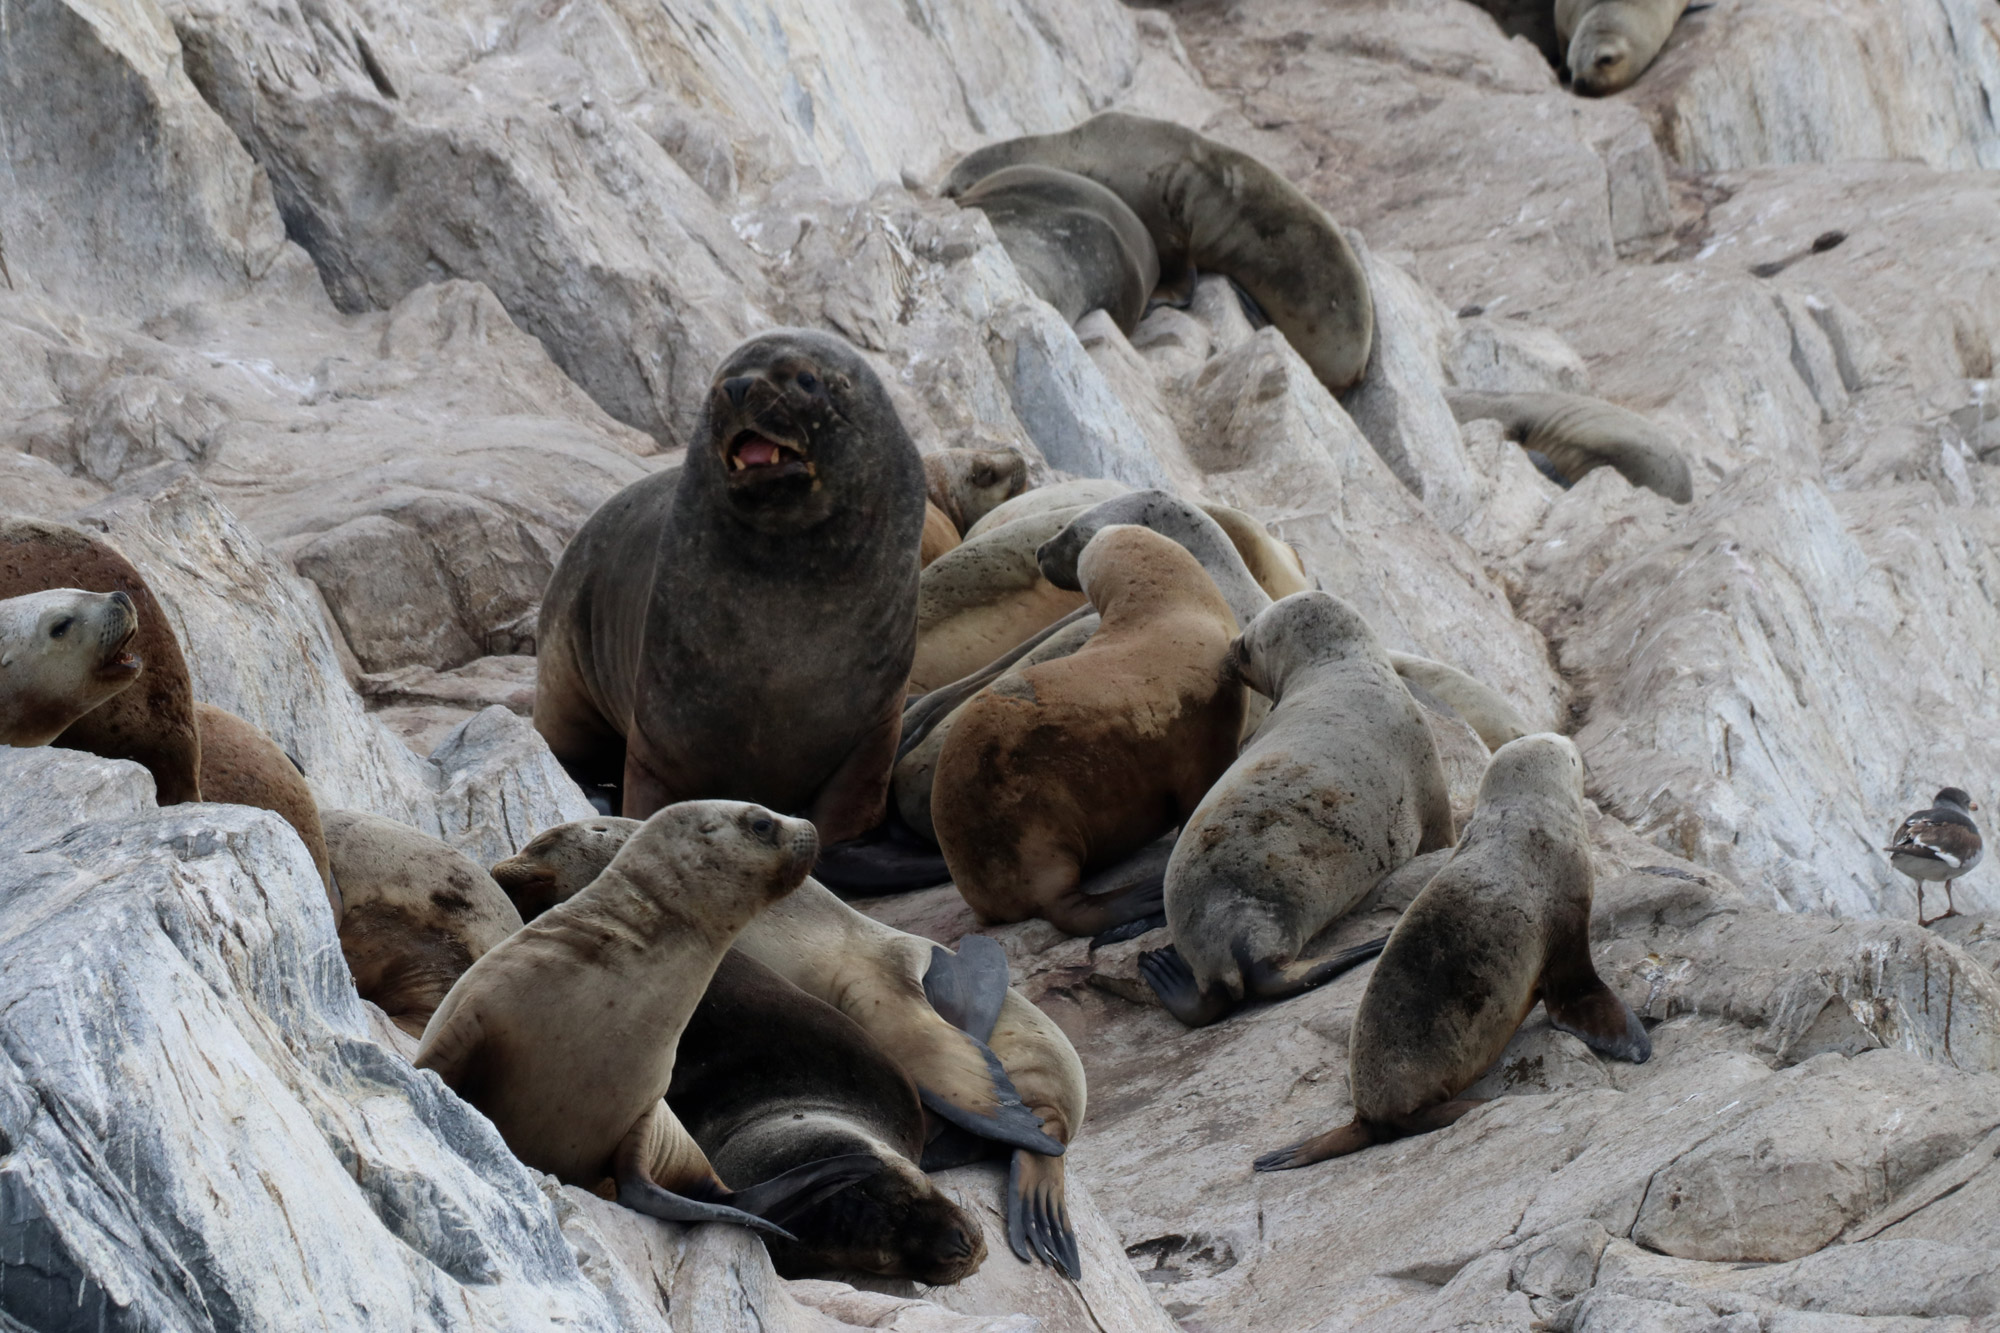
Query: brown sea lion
point(1610, 43)
point(414, 913)
point(240, 765)
point(1339, 787)
point(1211, 208)
point(1505, 923)
point(63, 652)
point(768, 1079)
point(986, 1062)
point(564, 1033)
point(1075, 244)
point(1577, 434)
point(984, 597)
point(1081, 762)
point(744, 627)
point(968, 484)
point(153, 722)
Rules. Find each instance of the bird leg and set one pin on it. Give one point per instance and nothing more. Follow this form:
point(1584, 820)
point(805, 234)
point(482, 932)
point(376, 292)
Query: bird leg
point(1949, 909)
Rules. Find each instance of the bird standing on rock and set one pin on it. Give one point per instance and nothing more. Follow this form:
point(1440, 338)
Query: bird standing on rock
point(1941, 843)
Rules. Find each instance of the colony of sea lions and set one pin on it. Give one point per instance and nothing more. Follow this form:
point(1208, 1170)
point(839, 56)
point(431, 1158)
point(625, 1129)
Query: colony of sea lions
point(1109, 709)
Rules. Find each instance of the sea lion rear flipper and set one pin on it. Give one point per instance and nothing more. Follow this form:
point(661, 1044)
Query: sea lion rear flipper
point(1038, 1225)
point(967, 988)
point(1173, 981)
point(789, 1193)
point(876, 863)
point(1276, 982)
point(981, 1099)
point(1131, 930)
point(1349, 1138)
point(1594, 1013)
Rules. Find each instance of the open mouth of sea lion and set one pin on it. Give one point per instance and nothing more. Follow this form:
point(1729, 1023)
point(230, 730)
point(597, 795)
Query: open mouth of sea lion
point(753, 455)
point(119, 659)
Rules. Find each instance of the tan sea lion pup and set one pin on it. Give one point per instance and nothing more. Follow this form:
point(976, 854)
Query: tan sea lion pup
point(153, 722)
point(985, 1060)
point(63, 652)
point(1577, 434)
point(1505, 923)
point(240, 765)
point(1075, 244)
point(1078, 763)
point(1214, 209)
point(564, 1033)
point(416, 913)
point(984, 597)
point(1611, 42)
point(1339, 787)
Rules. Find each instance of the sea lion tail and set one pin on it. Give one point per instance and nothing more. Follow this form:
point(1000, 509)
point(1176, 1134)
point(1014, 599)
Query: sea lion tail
point(1351, 1137)
point(1038, 1225)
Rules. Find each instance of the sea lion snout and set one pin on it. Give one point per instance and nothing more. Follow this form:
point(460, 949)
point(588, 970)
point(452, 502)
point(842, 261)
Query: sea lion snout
point(764, 424)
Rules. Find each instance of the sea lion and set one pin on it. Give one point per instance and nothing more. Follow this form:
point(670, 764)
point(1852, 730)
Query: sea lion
point(744, 627)
point(984, 597)
point(1081, 762)
point(1609, 43)
point(939, 535)
point(151, 723)
point(1506, 922)
point(1339, 787)
point(1483, 708)
point(768, 1079)
point(1079, 494)
point(240, 765)
point(63, 652)
point(559, 861)
point(986, 1061)
point(1212, 208)
point(414, 913)
point(968, 484)
point(564, 1033)
point(1075, 244)
point(1577, 434)
point(1276, 565)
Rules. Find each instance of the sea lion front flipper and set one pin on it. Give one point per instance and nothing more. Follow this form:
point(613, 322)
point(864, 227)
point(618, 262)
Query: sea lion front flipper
point(1349, 1138)
point(791, 1192)
point(1270, 981)
point(1038, 1223)
point(1173, 981)
point(967, 988)
point(1594, 1013)
point(876, 863)
point(657, 1148)
point(985, 1103)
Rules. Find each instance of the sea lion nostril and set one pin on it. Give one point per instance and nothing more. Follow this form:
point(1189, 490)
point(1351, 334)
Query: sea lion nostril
point(736, 387)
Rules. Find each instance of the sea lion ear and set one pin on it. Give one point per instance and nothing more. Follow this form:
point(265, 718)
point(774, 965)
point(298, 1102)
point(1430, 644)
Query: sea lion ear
point(1235, 662)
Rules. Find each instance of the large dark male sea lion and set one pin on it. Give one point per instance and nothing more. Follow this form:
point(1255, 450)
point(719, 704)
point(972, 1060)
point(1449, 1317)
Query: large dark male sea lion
point(1212, 208)
point(743, 627)
point(153, 722)
point(1505, 923)
point(63, 652)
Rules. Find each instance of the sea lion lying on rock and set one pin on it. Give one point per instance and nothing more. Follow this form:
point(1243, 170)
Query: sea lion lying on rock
point(1504, 923)
point(1075, 243)
point(1610, 43)
point(1339, 787)
point(743, 627)
point(1211, 208)
point(63, 652)
point(968, 484)
point(1577, 434)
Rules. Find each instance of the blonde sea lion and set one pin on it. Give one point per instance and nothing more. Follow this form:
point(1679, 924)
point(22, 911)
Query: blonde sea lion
point(1077, 495)
point(1577, 434)
point(984, 597)
point(1505, 923)
point(743, 627)
point(564, 1033)
point(1339, 787)
point(969, 484)
point(240, 765)
point(1075, 244)
point(1081, 762)
point(63, 652)
point(1211, 208)
point(153, 722)
point(986, 1062)
point(414, 915)
point(939, 535)
point(1610, 43)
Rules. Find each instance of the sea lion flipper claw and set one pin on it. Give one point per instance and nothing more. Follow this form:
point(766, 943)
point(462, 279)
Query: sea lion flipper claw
point(994, 1109)
point(1168, 973)
point(1038, 1225)
point(967, 988)
point(791, 1192)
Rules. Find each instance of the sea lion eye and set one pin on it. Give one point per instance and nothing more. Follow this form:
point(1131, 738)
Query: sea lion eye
point(762, 827)
point(808, 381)
point(61, 627)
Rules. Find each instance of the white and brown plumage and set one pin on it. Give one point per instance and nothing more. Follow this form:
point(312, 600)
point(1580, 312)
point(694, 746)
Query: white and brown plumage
point(1941, 843)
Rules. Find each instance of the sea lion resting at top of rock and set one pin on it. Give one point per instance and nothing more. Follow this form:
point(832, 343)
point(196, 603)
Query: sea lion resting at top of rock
point(743, 627)
point(1504, 923)
point(1610, 43)
point(63, 652)
point(1577, 434)
point(1075, 243)
point(564, 1033)
point(1213, 208)
point(986, 1061)
point(1339, 787)
point(153, 722)
point(961, 487)
point(242, 765)
point(1071, 766)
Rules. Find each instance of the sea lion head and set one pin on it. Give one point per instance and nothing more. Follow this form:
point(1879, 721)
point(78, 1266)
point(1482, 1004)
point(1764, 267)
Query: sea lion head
point(716, 864)
point(787, 414)
point(1167, 514)
point(558, 862)
point(1129, 572)
point(1543, 764)
point(1303, 630)
point(63, 652)
point(1600, 54)
point(969, 484)
point(895, 1223)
